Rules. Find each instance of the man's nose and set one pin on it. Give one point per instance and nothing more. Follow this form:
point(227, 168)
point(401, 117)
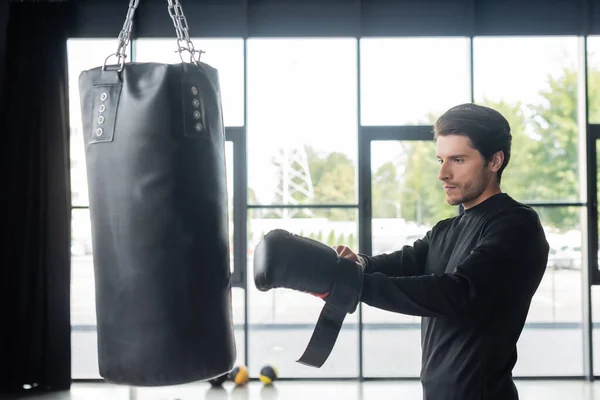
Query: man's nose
point(443, 173)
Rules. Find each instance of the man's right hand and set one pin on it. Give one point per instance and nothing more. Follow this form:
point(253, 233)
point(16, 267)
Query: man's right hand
point(346, 252)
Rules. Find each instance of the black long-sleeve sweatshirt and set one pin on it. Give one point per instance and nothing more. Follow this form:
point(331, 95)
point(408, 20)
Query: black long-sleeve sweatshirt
point(471, 278)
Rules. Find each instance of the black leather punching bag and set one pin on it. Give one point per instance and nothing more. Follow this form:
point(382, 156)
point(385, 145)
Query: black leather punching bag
point(154, 142)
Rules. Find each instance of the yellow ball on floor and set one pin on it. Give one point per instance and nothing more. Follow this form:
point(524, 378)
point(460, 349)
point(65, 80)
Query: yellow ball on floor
point(268, 375)
point(240, 375)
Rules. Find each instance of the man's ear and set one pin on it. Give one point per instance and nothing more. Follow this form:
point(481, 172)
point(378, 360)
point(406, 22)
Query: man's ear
point(497, 161)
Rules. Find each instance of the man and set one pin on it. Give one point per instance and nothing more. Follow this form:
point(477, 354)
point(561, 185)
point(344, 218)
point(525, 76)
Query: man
point(472, 277)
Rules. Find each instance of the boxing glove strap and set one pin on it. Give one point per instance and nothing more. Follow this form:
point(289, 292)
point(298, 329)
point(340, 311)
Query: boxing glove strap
point(347, 288)
point(343, 299)
point(324, 336)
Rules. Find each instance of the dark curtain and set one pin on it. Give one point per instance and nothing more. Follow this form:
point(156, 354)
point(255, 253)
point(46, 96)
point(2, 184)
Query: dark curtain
point(35, 348)
point(3, 25)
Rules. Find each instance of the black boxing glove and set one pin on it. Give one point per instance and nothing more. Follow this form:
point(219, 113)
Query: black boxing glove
point(286, 260)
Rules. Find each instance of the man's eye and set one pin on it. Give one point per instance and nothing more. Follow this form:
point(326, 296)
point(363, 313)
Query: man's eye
point(458, 160)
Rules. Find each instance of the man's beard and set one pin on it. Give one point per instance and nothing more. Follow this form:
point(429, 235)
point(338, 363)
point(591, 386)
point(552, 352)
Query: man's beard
point(470, 191)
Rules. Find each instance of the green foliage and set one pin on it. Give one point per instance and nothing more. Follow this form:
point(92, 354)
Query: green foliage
point(350, 242)
point(331, 238)
point(333, 179)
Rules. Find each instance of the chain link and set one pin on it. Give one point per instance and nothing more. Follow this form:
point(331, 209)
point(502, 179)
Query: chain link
point(184, 43)
point(124, 36)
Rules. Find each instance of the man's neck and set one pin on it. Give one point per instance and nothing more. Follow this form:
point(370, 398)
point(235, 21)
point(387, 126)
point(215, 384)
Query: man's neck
point(489, 192)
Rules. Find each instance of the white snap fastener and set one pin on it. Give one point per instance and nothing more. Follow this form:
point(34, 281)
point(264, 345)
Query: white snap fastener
point(197, 114)
point(101, 119)
point(103, 96)
point(194, 90)
point(196, 103)
point(198, 126)
point(99, 132)
point(102, 108)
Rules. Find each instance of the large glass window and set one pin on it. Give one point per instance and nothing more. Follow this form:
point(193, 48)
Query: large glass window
point(533, 82)
point(407, 201)
point(83, 54)
point(595, 290)
point(281, 321)
point(302, 132)
point(593, 45)
point(302, 149)
point(411, 81)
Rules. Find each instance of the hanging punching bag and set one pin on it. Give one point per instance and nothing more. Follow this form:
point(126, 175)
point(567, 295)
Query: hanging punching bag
point(154, 143)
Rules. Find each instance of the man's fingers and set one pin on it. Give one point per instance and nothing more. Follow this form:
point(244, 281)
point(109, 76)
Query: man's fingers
point(338, 249)
point(344, 251)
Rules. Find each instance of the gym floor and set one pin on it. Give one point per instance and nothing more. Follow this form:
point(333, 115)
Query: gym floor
point(312, 390)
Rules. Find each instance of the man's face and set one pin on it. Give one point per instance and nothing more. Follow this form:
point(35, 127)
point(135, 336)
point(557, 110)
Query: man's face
point(463, 171)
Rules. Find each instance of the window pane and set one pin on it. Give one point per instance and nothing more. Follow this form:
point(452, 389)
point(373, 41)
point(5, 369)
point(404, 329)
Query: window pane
point(408, 81)
point(533, 83)
point(229, 154)
point(302, 133)
point(407, 201)
point(551, 343)
point(83, 305)
point(226, 55)
point(596, 288)
point(594, 79)
point(281, 320)
point(83, 302)
point(83, 54)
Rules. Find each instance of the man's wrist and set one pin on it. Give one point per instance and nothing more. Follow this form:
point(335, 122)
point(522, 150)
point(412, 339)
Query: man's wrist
point(362, 261)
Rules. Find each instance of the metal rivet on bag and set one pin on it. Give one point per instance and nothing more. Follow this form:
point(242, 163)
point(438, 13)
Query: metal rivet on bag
point(99, 132)
point(103, 96)
point(101, 119)
point(102, 108)
point(197, 114)
point(194, 90)
point(198, 126)
point(196, 103)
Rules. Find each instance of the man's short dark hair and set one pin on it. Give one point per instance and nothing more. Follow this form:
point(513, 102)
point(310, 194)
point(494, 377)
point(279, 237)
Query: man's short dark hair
point(487, 129)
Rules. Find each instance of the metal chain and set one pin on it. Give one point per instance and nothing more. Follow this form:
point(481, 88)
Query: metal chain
point(184, 43)
point(124, 36)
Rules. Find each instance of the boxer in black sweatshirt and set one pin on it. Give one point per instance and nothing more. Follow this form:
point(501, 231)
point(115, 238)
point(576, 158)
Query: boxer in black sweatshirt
point(472, 277)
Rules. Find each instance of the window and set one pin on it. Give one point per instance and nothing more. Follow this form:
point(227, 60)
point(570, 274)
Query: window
point(281, 321)
point(412, 81)
point(302, 149)
point(532, 81)
point(407, 201)
point(593, 45)
point(83, 54)
point(302, 113)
